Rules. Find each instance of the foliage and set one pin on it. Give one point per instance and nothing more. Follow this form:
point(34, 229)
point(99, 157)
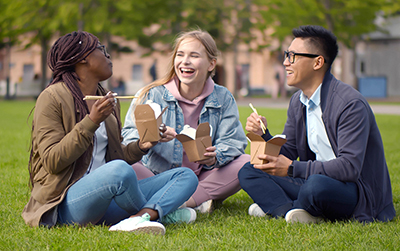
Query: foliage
point(346, 19)
point(228, 228)
point(229, 22)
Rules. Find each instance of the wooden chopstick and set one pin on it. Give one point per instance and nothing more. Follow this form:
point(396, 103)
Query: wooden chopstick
point(263, 127)
point(99, 97)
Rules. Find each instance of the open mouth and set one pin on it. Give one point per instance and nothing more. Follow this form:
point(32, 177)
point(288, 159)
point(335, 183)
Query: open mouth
point(187, 71)
point(289, 73)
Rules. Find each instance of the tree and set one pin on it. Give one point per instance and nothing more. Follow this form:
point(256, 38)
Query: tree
point(228, 22)
point(46, 19)
point(8, 37)
point(42, 18)
point(346, 19)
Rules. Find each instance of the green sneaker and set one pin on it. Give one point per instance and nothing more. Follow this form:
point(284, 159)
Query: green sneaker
point(181, 215)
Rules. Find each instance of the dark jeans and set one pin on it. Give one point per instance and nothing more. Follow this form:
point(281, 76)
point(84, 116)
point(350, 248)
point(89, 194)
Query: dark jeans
point(319, 195)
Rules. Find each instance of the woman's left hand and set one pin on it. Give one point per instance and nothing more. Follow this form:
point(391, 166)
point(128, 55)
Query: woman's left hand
point(210, 152)
point(167, 133)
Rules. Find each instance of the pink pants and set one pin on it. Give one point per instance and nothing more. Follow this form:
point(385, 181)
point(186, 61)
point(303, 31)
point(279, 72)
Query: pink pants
point(215, 184)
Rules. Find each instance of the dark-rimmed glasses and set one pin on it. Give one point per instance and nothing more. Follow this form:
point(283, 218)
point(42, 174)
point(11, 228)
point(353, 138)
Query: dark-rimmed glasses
point(104, 50)
point(291, 55)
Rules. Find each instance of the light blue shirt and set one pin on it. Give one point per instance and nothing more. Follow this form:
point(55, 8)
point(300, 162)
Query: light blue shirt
point(316, 133)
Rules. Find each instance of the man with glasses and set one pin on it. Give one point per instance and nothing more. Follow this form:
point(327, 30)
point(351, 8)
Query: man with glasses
point(333, 165)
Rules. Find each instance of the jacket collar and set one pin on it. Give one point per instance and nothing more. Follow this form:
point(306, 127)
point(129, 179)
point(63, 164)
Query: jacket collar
point(326, 89)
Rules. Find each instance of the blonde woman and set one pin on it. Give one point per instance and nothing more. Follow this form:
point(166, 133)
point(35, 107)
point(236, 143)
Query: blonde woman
point(192, 98)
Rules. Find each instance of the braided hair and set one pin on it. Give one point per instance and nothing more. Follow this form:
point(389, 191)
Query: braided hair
point(66, 52)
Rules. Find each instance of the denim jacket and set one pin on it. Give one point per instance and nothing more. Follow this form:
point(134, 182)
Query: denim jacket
point(219, 110)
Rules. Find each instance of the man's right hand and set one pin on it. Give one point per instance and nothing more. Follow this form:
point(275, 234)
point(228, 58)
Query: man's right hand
point(253, 123)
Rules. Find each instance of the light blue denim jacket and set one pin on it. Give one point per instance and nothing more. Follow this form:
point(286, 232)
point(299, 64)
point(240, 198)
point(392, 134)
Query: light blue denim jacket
point(219, 110)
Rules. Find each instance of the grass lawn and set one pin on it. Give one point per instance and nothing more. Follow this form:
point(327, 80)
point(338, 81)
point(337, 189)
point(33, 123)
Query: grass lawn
point(228, 228)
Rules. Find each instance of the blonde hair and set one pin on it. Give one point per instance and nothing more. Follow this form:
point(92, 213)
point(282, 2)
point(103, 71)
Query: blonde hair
point(204, 38)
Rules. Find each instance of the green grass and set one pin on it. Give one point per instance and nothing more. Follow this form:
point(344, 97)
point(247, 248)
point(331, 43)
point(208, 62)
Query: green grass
point(228, 228)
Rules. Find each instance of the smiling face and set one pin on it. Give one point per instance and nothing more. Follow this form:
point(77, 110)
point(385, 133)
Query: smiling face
point(192, 64)
point(301, 73)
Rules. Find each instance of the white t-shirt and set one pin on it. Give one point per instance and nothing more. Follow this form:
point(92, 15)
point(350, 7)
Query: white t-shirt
point(99, 148)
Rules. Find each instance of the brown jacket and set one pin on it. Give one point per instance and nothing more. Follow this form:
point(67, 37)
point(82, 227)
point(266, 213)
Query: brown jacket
point(58, 141)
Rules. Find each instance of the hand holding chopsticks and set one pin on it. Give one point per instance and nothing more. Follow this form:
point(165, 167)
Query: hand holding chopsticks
point(99, 97)
point(263, 127)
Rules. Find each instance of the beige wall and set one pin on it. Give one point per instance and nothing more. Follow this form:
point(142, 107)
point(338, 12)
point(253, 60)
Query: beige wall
point(261, 71)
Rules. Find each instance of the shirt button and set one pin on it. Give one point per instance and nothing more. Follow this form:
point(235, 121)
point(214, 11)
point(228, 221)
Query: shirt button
point(179, 126)
point(177, 145)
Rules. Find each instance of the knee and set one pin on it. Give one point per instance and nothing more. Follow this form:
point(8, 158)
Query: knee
point(315, 186)
point(119, 170)
point(245, 171)
point(241, 160)
point(188, 176)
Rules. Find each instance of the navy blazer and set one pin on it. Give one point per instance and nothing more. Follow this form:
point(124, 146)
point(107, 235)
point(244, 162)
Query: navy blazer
point(356, 141)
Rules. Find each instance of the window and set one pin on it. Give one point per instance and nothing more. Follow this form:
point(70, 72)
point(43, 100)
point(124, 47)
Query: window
point(137, 72)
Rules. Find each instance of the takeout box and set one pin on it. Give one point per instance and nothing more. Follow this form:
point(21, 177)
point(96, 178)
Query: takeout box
point(196, 147)
point(259, 146)
point(147, 123)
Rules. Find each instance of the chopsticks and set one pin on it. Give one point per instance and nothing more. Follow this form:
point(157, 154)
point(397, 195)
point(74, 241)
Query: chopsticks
point(99, 97)
point(263, 127)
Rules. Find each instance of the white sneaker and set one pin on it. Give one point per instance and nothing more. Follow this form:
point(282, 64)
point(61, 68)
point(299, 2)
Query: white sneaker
point(139, 224)
point(208, 206)
point(301, 216)
point(255, 210)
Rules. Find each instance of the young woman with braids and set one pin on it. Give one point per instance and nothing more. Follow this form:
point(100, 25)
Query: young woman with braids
point(80, 172)
point(192, 97)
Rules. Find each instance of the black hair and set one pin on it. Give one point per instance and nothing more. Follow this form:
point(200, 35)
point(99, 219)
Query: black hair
point(321, 39)
point(66, 52)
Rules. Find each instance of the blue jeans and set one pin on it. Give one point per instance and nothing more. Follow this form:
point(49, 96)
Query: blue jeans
point(112, 193)
point(319, 195)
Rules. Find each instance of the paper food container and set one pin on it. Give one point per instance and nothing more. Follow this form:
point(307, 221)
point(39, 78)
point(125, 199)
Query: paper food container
point(195, 144)
point(147, 123)
point(259, 146)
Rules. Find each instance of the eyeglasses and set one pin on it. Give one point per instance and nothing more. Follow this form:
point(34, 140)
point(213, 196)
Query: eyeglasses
point(103, 49)
point(291, 55)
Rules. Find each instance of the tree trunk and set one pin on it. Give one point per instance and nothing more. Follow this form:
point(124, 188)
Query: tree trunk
point(7, 69)
point(80, 20)
point(43, 44)
point(328, 16)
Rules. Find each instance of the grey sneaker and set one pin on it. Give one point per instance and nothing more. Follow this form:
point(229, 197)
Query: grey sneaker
point(209, 206)
point(139, 224)
point(301, 216)
point(181, 215)
point(255, 210)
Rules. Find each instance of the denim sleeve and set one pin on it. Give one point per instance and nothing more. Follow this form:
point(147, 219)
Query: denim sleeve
point(129, 131)
point(230, 139)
